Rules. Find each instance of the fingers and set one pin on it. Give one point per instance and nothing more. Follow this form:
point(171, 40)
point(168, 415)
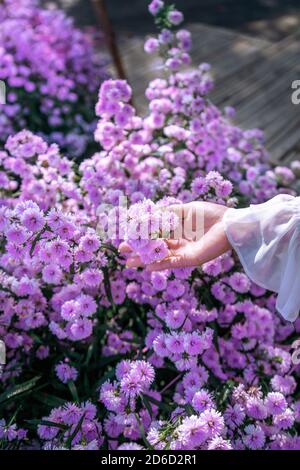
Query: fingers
point(134, 262)
point(178, 209)
point(191, 221)
point(125, 248)
point(171, 262)
point(173, 244)
point(213, 244)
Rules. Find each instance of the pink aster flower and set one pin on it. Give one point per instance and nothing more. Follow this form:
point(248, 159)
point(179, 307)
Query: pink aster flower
point(193, 344)
point(151, 45)
point(33, 220)
point(175, 17)
point(65, 372)
point(192, 432)
point(284, 420)
point(212, 421)
point(144, 371)
point(275, 403)
point(218, 443)
point(240, 282)
point(86, 305)
point(92, 277)
point(254, 438)
point(154, 251)
point(175, 343)
point(17, 234)
point(155, 6)
point(255, 408)
point(81, 329)
point(201, 401)
point(52, 274)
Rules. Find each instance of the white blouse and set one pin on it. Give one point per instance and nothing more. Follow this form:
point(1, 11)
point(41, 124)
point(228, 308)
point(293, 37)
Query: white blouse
point(266, 238)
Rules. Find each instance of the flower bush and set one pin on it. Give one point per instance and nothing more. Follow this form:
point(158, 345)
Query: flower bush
point(105, 356)
point(52, 74)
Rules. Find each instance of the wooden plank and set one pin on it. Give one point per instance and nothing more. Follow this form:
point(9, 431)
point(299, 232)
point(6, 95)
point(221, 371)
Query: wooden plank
point(259, 69)
point(251, 74)
point(291, 156)
point(216, 46)
point(287, 140)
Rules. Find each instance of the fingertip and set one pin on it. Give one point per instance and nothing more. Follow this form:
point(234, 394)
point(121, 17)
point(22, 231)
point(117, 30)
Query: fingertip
point(158, 266)
point(134, 262)
point(151, 268)
point(124, 248)
point(172, 243)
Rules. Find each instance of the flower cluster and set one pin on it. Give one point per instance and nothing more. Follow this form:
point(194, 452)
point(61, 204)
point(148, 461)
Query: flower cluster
point(182, 348)
point(65, 372)
point(251, 420)
point(144, 226)
point(124, 397)
point(11, 436)
point(182, 358)
point(36, 171)
point(52, 277)
point(71, 427)
point(51, 72)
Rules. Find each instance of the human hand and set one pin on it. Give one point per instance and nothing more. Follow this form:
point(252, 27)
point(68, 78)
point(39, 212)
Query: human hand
point(202, 238)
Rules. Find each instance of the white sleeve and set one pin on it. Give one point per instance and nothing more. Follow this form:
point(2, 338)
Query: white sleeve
point(266, 238)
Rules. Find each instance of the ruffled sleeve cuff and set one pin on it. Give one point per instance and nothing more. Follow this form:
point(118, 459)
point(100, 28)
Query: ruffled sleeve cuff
point(266, 238)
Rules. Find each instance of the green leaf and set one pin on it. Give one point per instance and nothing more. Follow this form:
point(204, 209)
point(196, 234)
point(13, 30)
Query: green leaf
point(142, 431)
point(75, 432)
point(111, 248)
point(49, 400)
point(37, 238)
point(14, 392)
point(89, 354)
point(147, 404)
point(106, 377)
point(141, 325)
point(73, 390)
point(107, 288)
point(160, 404)
point(108, 360)
point(45, 422)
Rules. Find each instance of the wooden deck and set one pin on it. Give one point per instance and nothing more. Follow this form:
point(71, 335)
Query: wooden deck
point(253, 75)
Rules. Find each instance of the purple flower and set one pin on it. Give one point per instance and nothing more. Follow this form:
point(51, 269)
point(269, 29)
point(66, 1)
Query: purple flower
point(90, 242)
point(202, 401)
point(92, 277)
point(81, 329)
point(177, 332)
point(151, 45)
point(175, 343)
point(144, 371)
point(52, 274)
point(65, 372)
point(155, 6)
point(33, 220)
point(175, 17)
point(86, 305)
point(193, 344)
point(284, 420)
point(275, 403)
point(239, 282)
point(213, 422)
point(17, 234)
point(218, 443)
point(256, 409)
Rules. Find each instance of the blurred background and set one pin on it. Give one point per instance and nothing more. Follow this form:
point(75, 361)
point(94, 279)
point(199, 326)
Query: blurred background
point(271, 19)
point(253, 47)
